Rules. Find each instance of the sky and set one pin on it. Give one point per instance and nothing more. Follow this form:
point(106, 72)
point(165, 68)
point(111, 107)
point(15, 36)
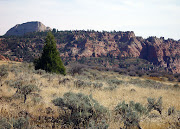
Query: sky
point(146, 18)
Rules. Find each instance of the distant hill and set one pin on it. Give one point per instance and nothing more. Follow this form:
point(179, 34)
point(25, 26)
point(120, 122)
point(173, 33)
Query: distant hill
point(107, 49)
point(21, 29)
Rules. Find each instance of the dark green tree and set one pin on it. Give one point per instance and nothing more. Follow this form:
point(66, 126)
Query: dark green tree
point(50, 60)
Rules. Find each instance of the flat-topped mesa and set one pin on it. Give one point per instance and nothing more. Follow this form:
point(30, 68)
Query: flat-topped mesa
point(21, 29)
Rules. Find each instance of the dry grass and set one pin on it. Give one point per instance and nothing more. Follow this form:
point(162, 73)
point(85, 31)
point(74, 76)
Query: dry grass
point(2, 62)
point(51, 89)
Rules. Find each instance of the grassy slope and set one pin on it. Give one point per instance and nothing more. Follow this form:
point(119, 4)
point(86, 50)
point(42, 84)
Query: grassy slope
point(50, 88)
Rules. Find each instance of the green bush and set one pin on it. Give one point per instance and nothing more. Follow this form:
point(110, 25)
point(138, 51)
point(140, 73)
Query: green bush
point(76, 69)
point(130, 113)
point(111, 87)
point(40, 72)
point(98, 125)
point(114, 81)
point(176, 85)
point(83, 108)
point(82, 84)
point(155, 105)
point(3, 71)
point(26, 90)
point(5, 124)
point(22, 89)
point(123, 71)
point(18, 123)
point(97, 85)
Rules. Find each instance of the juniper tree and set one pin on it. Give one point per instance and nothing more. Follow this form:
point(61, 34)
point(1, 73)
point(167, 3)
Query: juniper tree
point(50, 60)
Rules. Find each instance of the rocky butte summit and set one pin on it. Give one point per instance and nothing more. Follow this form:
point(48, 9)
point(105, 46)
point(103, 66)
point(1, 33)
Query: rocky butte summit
point(21, 29)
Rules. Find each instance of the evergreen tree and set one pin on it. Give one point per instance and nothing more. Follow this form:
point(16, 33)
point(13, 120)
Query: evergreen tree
point(50, 60)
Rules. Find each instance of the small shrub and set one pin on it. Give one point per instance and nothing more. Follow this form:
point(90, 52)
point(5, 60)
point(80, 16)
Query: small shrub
point(83, 108)
point(132, 73)
point(97, 85)
point(177, 75)
point(82, 84)
point(76, 69)
point(171, 110)
point(170, 77)
point(176, 85)
point(15, 84)
point(3, 71)
point(130, 113)
point(133, 90)
point(20, 123)
point(138, 107)
point(155, 105)
point(5, 124)
point(98, 125)
point(122, 71)
point(179, 79)
point(111, 87)
point(153, 115)
point(140, 73)
point(154, 75)
point(40, 71)
point(114, 81)
point(64, 81)
point(36, 100)
point(116, 69)
point(26, 90)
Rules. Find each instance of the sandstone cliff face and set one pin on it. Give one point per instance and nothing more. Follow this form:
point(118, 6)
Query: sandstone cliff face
point(21, 29)
point(162, 52)
point(159, 51)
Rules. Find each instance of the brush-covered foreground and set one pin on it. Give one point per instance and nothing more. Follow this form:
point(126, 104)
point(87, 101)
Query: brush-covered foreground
point(85, 98)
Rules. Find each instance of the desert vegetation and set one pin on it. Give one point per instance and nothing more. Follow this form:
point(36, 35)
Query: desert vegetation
point(85, 98)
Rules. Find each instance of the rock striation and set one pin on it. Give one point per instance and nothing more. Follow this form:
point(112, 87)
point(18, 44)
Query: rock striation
point(21, 29)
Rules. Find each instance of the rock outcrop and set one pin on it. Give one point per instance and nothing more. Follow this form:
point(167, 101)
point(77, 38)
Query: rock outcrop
point(21, 29)
point(160, 52)
point(77, 45)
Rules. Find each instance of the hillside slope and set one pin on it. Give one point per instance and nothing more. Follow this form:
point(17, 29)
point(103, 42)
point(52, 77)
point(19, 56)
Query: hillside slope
point(108, 89)
point(106, 47)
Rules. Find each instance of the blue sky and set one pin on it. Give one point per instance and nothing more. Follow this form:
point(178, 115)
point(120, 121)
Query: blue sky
point(144, 17)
